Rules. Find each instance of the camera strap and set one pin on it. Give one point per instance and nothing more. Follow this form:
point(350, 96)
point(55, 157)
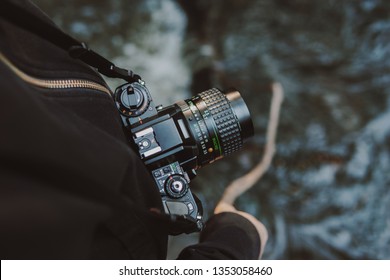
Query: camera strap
point(78, 50)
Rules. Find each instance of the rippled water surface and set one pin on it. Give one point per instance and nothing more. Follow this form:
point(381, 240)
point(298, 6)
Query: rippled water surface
point(327, 194)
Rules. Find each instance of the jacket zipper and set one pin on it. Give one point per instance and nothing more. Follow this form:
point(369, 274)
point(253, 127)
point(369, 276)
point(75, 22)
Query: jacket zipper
point(54, 84)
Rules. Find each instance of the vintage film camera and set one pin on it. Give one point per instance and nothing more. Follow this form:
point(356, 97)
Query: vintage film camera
point(175, 141)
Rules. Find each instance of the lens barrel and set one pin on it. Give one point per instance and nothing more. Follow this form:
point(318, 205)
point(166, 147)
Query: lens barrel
point(219, 121)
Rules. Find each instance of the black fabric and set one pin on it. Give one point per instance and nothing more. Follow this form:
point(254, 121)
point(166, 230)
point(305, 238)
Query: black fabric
point(226, 236)
point(50, 152)
point(70, 186)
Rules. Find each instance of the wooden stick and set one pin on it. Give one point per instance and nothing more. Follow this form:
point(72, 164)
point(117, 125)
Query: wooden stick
point(244, 183)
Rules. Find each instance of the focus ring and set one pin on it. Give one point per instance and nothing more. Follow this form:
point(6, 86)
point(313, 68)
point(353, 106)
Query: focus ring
point(228, 129)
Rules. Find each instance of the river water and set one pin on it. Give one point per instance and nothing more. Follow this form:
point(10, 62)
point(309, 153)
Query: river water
point(327, 193)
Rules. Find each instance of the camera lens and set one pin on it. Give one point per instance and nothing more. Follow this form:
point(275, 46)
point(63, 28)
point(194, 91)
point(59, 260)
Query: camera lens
point(220, 122)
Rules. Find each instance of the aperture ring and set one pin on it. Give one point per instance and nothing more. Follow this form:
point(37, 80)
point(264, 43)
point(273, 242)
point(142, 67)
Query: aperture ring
point(228, 128)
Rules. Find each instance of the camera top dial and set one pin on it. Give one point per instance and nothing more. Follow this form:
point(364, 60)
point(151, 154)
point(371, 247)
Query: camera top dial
point(132, 99)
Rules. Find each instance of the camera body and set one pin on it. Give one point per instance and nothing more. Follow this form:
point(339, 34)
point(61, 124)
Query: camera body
point(175, 141)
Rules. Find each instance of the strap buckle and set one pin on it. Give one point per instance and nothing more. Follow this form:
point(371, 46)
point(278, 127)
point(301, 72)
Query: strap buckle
point(104, 66)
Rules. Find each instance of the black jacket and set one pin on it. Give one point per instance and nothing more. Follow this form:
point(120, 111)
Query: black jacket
point(70, 186)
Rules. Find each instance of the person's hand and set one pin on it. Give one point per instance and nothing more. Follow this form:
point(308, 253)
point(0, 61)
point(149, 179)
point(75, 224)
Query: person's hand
point(261, 230)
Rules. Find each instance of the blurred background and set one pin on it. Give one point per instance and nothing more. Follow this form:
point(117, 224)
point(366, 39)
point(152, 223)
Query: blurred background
point(327, 193)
